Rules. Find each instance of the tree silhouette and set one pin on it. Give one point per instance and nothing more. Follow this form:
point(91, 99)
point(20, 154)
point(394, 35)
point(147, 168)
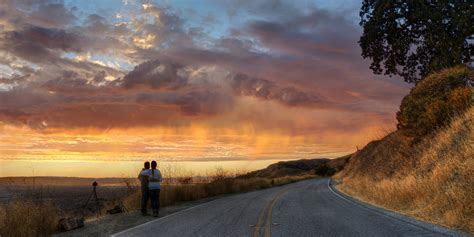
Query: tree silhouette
point(414, 38)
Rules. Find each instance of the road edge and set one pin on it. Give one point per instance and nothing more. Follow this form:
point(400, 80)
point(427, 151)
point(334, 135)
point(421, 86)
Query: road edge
point(162, 218)
point(410, 220)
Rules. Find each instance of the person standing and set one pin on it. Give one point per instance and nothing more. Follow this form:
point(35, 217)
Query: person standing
point(142, 176)
point(154, 186)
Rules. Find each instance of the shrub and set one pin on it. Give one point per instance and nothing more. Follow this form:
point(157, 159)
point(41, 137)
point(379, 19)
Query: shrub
point(324, 170)
point(436, 99)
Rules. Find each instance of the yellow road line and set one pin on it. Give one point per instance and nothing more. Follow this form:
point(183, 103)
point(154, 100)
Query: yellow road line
point(269, 206)
point(269, 214)
point(256, 233)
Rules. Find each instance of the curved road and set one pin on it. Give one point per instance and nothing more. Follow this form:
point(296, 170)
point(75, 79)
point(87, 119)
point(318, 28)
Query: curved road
point(306, 208)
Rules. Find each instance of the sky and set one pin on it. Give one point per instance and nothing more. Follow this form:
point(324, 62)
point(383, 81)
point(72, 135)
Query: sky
point(241, 84)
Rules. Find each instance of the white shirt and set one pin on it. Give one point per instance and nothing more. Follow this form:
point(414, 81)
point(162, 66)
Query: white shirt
point(154, 178)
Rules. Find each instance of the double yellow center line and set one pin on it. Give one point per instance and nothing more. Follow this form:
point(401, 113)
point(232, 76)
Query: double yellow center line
point(268, 209)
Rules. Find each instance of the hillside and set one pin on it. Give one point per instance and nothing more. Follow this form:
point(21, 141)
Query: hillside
point(427, 174)
point(385, 158)
point(300, 167)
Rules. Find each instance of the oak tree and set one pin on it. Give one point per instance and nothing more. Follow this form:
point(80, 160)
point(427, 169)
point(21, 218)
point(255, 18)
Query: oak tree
point(413, 38)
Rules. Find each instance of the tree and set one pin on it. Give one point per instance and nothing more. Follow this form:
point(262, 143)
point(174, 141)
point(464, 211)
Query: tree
point(413, 38)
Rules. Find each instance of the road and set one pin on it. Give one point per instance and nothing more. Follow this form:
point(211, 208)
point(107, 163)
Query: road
point(306, 208)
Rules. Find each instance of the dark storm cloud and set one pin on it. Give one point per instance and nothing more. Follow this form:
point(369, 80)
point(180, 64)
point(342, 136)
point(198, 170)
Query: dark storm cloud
point(297, 59)
point(156, 75)
point(70, 100)
point(166, 75)
point(299, 40)
point(32, 30)
point(43, 13)
point(303, 49)
point(97, 24)
point(37, 44)
point(51, 15)
point(57, 98)
point(202, 102)
point(244, 85)
point(205, 102)
point(72, 82)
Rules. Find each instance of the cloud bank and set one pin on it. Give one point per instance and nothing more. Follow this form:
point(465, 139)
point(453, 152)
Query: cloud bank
point(270, 65)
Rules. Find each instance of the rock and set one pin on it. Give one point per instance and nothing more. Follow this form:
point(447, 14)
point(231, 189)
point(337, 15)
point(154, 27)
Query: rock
point(71, 223)
point(115, 210)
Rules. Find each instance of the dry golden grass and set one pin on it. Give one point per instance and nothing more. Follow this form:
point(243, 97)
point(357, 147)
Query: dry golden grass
point(28, 217)
point(439, 186)
point(29, 214)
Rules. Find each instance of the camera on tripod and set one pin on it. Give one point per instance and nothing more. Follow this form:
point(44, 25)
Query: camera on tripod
point(93, 195)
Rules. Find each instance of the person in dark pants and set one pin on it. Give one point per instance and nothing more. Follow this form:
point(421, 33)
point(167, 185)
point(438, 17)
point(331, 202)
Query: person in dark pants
point(154, 185)
point(144, 187)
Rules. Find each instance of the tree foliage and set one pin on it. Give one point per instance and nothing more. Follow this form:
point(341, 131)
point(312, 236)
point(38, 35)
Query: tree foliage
point(413, 38)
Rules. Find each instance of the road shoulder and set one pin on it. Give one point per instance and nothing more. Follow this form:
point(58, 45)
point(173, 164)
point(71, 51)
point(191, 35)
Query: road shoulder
point(111, 224)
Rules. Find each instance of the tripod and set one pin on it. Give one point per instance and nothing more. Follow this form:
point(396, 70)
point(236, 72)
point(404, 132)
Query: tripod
point(94, 195)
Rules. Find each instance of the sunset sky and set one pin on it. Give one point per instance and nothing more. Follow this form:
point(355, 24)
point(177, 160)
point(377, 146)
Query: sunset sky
point(93, 88)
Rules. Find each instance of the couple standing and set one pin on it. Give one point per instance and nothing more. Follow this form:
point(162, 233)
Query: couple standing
point(150, 180)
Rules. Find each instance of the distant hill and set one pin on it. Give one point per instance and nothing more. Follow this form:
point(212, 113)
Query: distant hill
point(299, 167)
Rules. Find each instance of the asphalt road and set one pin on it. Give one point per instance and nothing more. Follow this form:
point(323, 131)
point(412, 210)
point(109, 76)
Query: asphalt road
point(306, 208)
